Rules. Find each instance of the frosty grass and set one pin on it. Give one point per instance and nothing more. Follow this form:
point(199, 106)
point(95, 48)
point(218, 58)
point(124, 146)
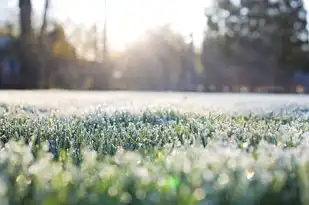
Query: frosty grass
point(154, 157)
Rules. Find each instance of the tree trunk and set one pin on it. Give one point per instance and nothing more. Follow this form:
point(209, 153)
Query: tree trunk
point(27, 47)
point(43, 49)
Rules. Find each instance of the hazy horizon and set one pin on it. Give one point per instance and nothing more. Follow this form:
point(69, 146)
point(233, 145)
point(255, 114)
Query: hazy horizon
point(131, 18)
point(186, 17)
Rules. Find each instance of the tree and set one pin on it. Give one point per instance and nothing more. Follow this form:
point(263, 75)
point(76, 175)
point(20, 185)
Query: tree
point(86, 41)
point(25, 8)
point(284, 30)
point(42, 45)
point(28, 49)
point(59, 55)
point(226, 48)
point(254, 32)
point(156, 61)
point(59, 44)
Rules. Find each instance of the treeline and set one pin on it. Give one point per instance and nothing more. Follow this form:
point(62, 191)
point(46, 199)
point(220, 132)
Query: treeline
point(247, 44)
point(255, 42)
point(46, 57)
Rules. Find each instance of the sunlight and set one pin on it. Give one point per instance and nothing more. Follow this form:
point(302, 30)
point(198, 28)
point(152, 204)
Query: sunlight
point(128, 20)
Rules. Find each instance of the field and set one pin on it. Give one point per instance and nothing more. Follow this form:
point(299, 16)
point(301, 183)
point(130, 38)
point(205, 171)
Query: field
point(153, 148)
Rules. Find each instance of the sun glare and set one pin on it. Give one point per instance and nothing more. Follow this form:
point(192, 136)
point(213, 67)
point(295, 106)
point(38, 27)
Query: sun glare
point(128, 20)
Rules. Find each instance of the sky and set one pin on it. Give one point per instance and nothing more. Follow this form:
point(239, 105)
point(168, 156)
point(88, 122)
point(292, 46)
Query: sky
point(128, 19)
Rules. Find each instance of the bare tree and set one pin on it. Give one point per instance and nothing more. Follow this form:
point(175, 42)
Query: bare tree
point(27, 49)
point(25, 8)
point(42, 44)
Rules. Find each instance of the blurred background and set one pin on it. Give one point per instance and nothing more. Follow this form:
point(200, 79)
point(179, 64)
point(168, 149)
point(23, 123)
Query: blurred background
point(171, 45)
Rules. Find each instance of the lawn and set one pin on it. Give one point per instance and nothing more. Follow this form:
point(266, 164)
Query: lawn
point(154, 155)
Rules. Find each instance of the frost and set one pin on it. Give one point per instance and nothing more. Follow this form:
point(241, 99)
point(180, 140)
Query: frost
point(153, 157)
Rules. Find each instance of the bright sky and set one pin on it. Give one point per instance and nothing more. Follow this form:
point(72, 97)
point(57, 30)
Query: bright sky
point(128, 19)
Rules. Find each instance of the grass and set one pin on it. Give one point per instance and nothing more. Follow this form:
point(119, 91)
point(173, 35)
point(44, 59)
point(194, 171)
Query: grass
point(154, 157)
